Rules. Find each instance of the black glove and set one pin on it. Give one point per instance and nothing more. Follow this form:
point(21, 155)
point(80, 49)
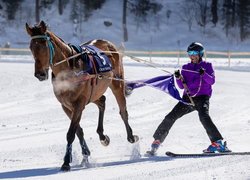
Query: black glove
point(202, 71)
point(177, 74)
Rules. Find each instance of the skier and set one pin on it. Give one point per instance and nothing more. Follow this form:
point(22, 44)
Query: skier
point(196, 78)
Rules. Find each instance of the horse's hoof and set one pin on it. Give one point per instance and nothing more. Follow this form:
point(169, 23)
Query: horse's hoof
point(85, 162)
point(65, 167)
point(106, 141)
point(128, 91)
point(134, 139)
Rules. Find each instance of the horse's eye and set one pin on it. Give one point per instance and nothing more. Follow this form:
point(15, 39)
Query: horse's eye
point(40, 43)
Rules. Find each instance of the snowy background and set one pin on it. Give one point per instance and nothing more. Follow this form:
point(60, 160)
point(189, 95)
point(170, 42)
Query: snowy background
point(159, 33)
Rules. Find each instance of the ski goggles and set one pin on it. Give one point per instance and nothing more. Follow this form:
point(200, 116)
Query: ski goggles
point(193, 53)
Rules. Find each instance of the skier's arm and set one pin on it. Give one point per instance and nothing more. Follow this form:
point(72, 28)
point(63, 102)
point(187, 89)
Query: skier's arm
point(208, 75)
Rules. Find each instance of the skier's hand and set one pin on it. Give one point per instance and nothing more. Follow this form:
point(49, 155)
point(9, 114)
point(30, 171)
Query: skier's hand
point(202, 71)
point(177, 74)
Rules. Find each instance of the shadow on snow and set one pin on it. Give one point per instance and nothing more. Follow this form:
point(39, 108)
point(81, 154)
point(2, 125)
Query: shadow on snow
point(25, 173)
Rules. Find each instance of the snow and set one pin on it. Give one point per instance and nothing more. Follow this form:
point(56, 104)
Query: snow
point(33, 128)
point(158, 34)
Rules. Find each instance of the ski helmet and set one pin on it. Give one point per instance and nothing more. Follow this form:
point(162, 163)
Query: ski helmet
point(196, 47)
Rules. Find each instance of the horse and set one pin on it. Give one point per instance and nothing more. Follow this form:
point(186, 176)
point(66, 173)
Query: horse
point(74, 88)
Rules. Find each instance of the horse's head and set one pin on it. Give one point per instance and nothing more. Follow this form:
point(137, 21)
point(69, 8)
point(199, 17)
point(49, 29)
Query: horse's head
point(41, 48)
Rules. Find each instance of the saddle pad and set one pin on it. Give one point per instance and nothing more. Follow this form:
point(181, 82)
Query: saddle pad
point(102, 62)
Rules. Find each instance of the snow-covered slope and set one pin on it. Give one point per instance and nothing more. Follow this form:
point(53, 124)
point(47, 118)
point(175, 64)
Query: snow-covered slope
point(159, 33)
point(33, 130)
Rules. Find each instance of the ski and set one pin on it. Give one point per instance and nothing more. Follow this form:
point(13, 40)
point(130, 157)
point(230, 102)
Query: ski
point(171, 154)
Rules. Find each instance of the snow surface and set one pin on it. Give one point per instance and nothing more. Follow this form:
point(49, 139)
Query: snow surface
point(33, 129)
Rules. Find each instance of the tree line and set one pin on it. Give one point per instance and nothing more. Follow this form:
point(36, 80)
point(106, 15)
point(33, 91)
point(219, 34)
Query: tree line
point(229, 14)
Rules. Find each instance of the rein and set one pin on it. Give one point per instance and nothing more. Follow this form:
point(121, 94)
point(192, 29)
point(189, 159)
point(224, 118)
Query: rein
point(148, 63)
point(50, 45)
point(67, 59)
point(52, 53)
point(199, 88)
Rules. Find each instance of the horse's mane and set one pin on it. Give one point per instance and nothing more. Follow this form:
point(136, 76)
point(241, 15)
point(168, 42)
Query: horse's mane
point(37, 30)
point(59, 42)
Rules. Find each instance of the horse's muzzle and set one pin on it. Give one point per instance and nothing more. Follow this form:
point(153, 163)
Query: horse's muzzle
point(42, 75)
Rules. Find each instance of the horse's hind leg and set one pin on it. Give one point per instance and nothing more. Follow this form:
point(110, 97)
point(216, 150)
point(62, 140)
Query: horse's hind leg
point(101, 106)
point(117, 88)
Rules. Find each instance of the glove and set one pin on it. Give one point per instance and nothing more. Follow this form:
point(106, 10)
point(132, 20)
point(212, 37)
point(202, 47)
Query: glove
point(202, 71)
point(177, 74)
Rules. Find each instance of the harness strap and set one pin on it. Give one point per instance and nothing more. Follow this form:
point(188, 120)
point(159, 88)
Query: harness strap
point(187, 91)
point(199, 88)
point(93, 63)
point(50, 45)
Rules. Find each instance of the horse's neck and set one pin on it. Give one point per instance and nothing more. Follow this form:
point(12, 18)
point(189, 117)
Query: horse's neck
point(62, 51)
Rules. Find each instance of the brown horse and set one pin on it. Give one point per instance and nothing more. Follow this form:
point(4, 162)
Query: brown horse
point(73, 91)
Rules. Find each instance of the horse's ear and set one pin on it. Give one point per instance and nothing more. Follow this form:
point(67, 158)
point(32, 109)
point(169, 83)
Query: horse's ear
point(43, 26)
point(28, 29)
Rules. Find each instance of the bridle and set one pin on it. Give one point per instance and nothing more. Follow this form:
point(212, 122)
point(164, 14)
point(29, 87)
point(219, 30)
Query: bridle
point(52, 50)
point(50, 45)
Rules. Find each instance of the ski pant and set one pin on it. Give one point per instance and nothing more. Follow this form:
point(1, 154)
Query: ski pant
point(201, 105)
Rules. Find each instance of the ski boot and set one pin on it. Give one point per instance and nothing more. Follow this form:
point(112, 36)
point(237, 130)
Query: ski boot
point(217, 147)
point(154, 147)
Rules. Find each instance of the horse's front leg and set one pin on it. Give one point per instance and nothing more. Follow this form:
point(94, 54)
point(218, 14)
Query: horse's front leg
point(101, 106)
point(74, 125)
point(85, 149)
point(118, 90)
point(80, 135)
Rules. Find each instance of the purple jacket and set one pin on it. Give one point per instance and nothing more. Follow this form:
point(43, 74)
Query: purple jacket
point(197, 84)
